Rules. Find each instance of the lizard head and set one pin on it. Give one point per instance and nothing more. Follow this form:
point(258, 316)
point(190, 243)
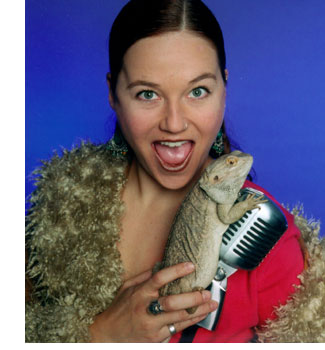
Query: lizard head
point(223, 179)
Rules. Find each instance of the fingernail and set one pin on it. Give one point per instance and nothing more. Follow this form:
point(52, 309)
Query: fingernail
point(189, 266)
point(213, 305)
point(206, 295)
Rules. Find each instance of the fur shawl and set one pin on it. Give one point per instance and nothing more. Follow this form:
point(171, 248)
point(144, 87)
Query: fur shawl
point(75, 268)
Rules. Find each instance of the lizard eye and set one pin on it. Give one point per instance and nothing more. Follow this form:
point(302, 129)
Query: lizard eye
point(232, 160)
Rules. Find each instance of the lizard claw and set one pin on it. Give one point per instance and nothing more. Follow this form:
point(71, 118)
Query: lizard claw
point(253, 202)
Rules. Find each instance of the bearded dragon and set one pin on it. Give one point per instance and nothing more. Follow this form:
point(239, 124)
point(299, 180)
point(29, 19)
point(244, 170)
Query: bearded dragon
point(201, 220)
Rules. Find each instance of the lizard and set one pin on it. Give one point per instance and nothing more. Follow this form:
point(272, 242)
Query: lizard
point(202, 218)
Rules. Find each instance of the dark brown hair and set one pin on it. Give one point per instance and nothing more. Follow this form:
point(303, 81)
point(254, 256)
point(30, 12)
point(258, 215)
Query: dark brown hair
point(144, 18)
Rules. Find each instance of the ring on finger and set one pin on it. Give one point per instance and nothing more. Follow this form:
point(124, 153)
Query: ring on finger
point(172, 329)
point(155, 308)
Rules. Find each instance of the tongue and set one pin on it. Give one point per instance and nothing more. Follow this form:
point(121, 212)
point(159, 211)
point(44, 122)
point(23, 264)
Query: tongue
point(173, 155)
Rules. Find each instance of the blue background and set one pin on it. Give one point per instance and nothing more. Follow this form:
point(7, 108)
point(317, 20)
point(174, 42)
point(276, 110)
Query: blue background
point(275, 97)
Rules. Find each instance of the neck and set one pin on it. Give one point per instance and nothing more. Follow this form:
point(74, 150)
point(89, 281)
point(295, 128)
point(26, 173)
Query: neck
point(147, 190)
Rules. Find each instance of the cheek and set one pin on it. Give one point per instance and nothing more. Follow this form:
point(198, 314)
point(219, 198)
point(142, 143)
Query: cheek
point(133, 123)
point(213, 117)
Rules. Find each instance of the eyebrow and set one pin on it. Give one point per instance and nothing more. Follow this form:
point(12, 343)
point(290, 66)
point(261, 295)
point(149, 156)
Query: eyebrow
point(142, 82)
point(154, 85)
point(203, 76)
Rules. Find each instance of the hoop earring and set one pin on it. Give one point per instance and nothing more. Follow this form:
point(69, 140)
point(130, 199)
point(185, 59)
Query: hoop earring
point(218, 146)
point(117, 144)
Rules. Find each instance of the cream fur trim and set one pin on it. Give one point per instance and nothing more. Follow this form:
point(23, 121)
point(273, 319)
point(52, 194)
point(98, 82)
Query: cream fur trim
point(72, 231)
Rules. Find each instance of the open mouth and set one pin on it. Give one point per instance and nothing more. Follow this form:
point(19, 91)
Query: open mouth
point(173, 155)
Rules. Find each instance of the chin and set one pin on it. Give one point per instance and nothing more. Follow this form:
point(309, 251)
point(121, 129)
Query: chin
point(177, 180)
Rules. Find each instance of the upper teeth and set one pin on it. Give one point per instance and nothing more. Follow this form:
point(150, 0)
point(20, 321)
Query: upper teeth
point(173, 144)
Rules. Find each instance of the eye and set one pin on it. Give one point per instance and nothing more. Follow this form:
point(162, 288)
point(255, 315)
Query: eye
point(199, 92)
point(232, 160)
point(147, 95)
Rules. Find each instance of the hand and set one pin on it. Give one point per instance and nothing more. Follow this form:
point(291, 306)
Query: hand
point(127, 318)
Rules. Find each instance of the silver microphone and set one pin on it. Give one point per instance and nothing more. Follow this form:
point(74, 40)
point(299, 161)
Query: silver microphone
point(245, 244)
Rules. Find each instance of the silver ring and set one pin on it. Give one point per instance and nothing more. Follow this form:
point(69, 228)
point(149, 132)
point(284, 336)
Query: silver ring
point(172, 329)
point(155, 308)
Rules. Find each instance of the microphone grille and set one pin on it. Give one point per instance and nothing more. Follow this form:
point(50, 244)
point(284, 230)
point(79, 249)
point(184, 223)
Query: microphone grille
point(247, 241)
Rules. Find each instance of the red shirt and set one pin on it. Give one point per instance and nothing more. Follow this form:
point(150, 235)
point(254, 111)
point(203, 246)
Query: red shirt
point(252, 295)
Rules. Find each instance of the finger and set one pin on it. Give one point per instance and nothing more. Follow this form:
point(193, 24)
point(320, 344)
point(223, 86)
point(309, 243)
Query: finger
point(169, 274)
point(142, 277)
point(183, 315)
point(180, 326)
point(184, 300)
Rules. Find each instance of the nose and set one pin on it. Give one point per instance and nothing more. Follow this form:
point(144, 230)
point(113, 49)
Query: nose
point(173, 118)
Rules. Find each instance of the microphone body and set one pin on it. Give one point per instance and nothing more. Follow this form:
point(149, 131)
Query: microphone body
point(245, 244)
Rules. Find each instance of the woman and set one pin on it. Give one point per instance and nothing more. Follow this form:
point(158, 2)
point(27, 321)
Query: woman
point(101, 214)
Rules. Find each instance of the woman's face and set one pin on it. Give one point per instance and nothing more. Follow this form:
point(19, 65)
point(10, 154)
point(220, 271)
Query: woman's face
point(170, 105)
